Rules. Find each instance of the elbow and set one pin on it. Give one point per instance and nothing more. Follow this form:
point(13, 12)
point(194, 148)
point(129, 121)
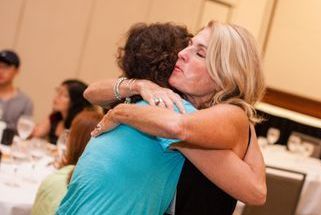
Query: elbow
point(87, 93)
point(258, 196)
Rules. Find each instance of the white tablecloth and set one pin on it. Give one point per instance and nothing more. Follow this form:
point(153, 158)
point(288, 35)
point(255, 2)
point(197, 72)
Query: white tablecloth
point(310, 199)
point(17, 200)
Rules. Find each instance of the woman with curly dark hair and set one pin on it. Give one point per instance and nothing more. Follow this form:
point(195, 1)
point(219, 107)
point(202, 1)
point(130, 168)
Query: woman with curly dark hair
point(150, 53)
point(67, 103)
point(128, 172)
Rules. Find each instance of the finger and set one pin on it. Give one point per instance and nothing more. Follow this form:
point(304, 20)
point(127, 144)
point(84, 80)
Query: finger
point(178, 101)
point(100, 126)
point(161, 104)
point(168, 103)
point(96, 132)
point(150, 100)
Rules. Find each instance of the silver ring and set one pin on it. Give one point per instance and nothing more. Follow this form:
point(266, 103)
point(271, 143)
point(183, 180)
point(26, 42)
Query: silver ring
point(157, 101)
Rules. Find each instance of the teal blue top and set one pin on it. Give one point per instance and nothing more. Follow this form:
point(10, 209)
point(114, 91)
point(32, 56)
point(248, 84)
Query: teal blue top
point(124, 172)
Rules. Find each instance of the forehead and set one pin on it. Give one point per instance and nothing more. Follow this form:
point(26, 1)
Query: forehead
point(62, 88)
point(202, 38)
point(4, 64)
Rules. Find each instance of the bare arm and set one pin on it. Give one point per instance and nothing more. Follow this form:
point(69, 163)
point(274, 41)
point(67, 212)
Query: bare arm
point(102, 93)
point(244, 180)
point(42, 129)
point(219, 127)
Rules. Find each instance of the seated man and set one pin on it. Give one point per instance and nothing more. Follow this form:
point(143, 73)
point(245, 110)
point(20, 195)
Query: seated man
point(13, 102)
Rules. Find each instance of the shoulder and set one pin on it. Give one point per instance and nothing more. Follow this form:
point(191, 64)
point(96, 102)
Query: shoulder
point(23, 96)
point(233, 114)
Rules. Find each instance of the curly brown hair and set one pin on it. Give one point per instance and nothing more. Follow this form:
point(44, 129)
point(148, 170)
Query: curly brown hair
point(151, 51)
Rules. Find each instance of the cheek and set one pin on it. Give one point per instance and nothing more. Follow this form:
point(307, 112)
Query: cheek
point(66, 104)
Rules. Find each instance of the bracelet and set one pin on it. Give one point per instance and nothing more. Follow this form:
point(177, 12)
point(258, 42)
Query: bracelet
point(116, 87)
point(130, 84)
point(129, 87)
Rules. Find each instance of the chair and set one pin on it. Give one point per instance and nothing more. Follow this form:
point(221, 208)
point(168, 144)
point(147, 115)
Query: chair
point(283, 192)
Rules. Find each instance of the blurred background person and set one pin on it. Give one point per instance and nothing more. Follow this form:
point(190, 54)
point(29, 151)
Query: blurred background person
point(54, 187)
point(13, 102)
point(67, 103)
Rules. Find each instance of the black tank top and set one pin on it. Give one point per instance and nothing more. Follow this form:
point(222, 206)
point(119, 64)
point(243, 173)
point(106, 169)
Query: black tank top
point(196, 195)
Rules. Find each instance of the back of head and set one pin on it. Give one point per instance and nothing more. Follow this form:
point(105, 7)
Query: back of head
point(82, 125)
point(151, 51)
point(78, 103)
point(234, 63)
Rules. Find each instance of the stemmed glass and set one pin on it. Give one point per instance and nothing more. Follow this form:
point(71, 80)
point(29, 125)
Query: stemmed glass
point(25, 126)
point(272, 135)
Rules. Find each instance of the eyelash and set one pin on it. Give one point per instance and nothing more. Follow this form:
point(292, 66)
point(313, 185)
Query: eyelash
point(200, 55)
point(190, 43)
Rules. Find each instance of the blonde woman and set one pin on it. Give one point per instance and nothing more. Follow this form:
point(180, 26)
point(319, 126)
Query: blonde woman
point(220, 73)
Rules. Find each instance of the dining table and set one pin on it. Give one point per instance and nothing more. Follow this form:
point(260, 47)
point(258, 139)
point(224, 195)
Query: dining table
point(20, 179)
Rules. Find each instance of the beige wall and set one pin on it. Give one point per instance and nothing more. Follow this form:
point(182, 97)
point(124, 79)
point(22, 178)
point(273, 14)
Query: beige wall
point(78, 38)
point(293, 53)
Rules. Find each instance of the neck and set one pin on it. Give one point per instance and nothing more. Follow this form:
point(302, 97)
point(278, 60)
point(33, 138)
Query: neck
point(64, 115)
point(199, 102)
point(7, 91)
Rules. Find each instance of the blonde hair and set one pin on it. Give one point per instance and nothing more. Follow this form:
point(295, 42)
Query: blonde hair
point(233, 61)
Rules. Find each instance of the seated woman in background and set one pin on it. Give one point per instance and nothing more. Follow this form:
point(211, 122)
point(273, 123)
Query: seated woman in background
point(67, 103)
point(54, 187)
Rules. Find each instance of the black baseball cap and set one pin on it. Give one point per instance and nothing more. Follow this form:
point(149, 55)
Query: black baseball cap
point(9, 57)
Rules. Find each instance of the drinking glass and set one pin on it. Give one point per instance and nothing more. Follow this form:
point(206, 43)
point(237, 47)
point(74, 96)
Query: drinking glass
point(272, 135)
point(25, 126)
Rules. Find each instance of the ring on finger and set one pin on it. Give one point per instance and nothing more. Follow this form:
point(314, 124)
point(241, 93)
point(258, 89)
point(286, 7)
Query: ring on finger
point(158, 100)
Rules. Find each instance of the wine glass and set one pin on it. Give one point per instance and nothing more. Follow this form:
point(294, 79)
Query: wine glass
point(272, 135)
point(25, 126)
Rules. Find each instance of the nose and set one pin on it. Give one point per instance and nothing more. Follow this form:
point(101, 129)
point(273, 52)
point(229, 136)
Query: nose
point(183, 54)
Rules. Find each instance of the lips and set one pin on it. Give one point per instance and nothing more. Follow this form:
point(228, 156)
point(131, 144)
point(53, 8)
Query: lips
point(177, 69)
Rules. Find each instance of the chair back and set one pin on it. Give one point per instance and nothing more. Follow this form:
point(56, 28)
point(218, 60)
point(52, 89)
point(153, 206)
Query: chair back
point(283, 192)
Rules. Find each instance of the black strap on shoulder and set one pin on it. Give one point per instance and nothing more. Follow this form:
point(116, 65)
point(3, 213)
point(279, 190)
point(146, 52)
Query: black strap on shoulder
point(248, 143)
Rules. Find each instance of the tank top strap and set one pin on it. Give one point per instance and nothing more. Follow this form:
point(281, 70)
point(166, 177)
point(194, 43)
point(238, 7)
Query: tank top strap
point(248, 143)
